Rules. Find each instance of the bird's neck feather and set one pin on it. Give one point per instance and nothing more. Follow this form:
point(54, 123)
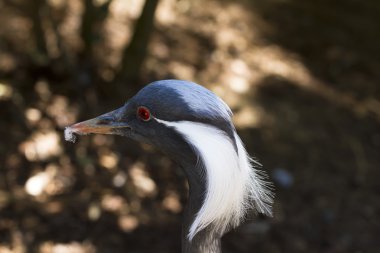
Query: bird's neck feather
point(206, 241)
point(223, 185)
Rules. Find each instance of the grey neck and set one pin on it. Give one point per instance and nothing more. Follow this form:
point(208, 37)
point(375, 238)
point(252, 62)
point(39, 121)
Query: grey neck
point(205, 241)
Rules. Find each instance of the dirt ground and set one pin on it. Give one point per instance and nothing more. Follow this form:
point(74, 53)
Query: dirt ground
point(302, 78)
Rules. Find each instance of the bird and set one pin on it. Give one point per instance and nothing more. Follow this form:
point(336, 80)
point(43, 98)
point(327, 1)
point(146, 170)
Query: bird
point(193, 126)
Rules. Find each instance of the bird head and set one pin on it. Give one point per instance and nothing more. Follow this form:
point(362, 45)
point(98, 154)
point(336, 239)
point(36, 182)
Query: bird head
point(194, 127)
point(143, 117)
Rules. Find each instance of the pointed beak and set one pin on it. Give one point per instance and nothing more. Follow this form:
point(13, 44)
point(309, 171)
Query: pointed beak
point(104, 124)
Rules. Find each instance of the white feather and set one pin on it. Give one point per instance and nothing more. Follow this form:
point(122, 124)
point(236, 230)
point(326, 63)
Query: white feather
point(233, 185)
point(69, 135)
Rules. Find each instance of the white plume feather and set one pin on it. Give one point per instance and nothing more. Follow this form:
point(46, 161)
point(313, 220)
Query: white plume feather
point(233, 185)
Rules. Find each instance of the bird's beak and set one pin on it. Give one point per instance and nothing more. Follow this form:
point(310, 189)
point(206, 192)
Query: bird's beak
point(103, 124)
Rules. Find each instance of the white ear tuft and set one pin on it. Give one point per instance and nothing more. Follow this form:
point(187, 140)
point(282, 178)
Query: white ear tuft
point(233, 185)
point(259, 191)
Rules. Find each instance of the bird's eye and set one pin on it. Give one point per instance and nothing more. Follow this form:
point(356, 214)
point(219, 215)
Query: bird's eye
point(143, 113)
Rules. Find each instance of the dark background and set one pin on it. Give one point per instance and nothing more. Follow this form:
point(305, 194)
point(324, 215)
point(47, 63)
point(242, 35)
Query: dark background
point(302, 78)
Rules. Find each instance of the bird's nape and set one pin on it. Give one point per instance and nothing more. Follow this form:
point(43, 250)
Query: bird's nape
point(194, 127)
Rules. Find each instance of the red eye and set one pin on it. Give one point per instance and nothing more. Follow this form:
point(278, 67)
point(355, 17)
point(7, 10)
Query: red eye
point(143, 113)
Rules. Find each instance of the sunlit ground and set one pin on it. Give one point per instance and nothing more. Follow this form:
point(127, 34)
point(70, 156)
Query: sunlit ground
point(318, 142)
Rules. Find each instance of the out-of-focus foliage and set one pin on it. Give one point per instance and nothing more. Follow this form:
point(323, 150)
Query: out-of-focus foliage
point(301, 77)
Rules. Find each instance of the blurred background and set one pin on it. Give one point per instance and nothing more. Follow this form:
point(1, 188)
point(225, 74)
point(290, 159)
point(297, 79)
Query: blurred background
point(302, 78)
